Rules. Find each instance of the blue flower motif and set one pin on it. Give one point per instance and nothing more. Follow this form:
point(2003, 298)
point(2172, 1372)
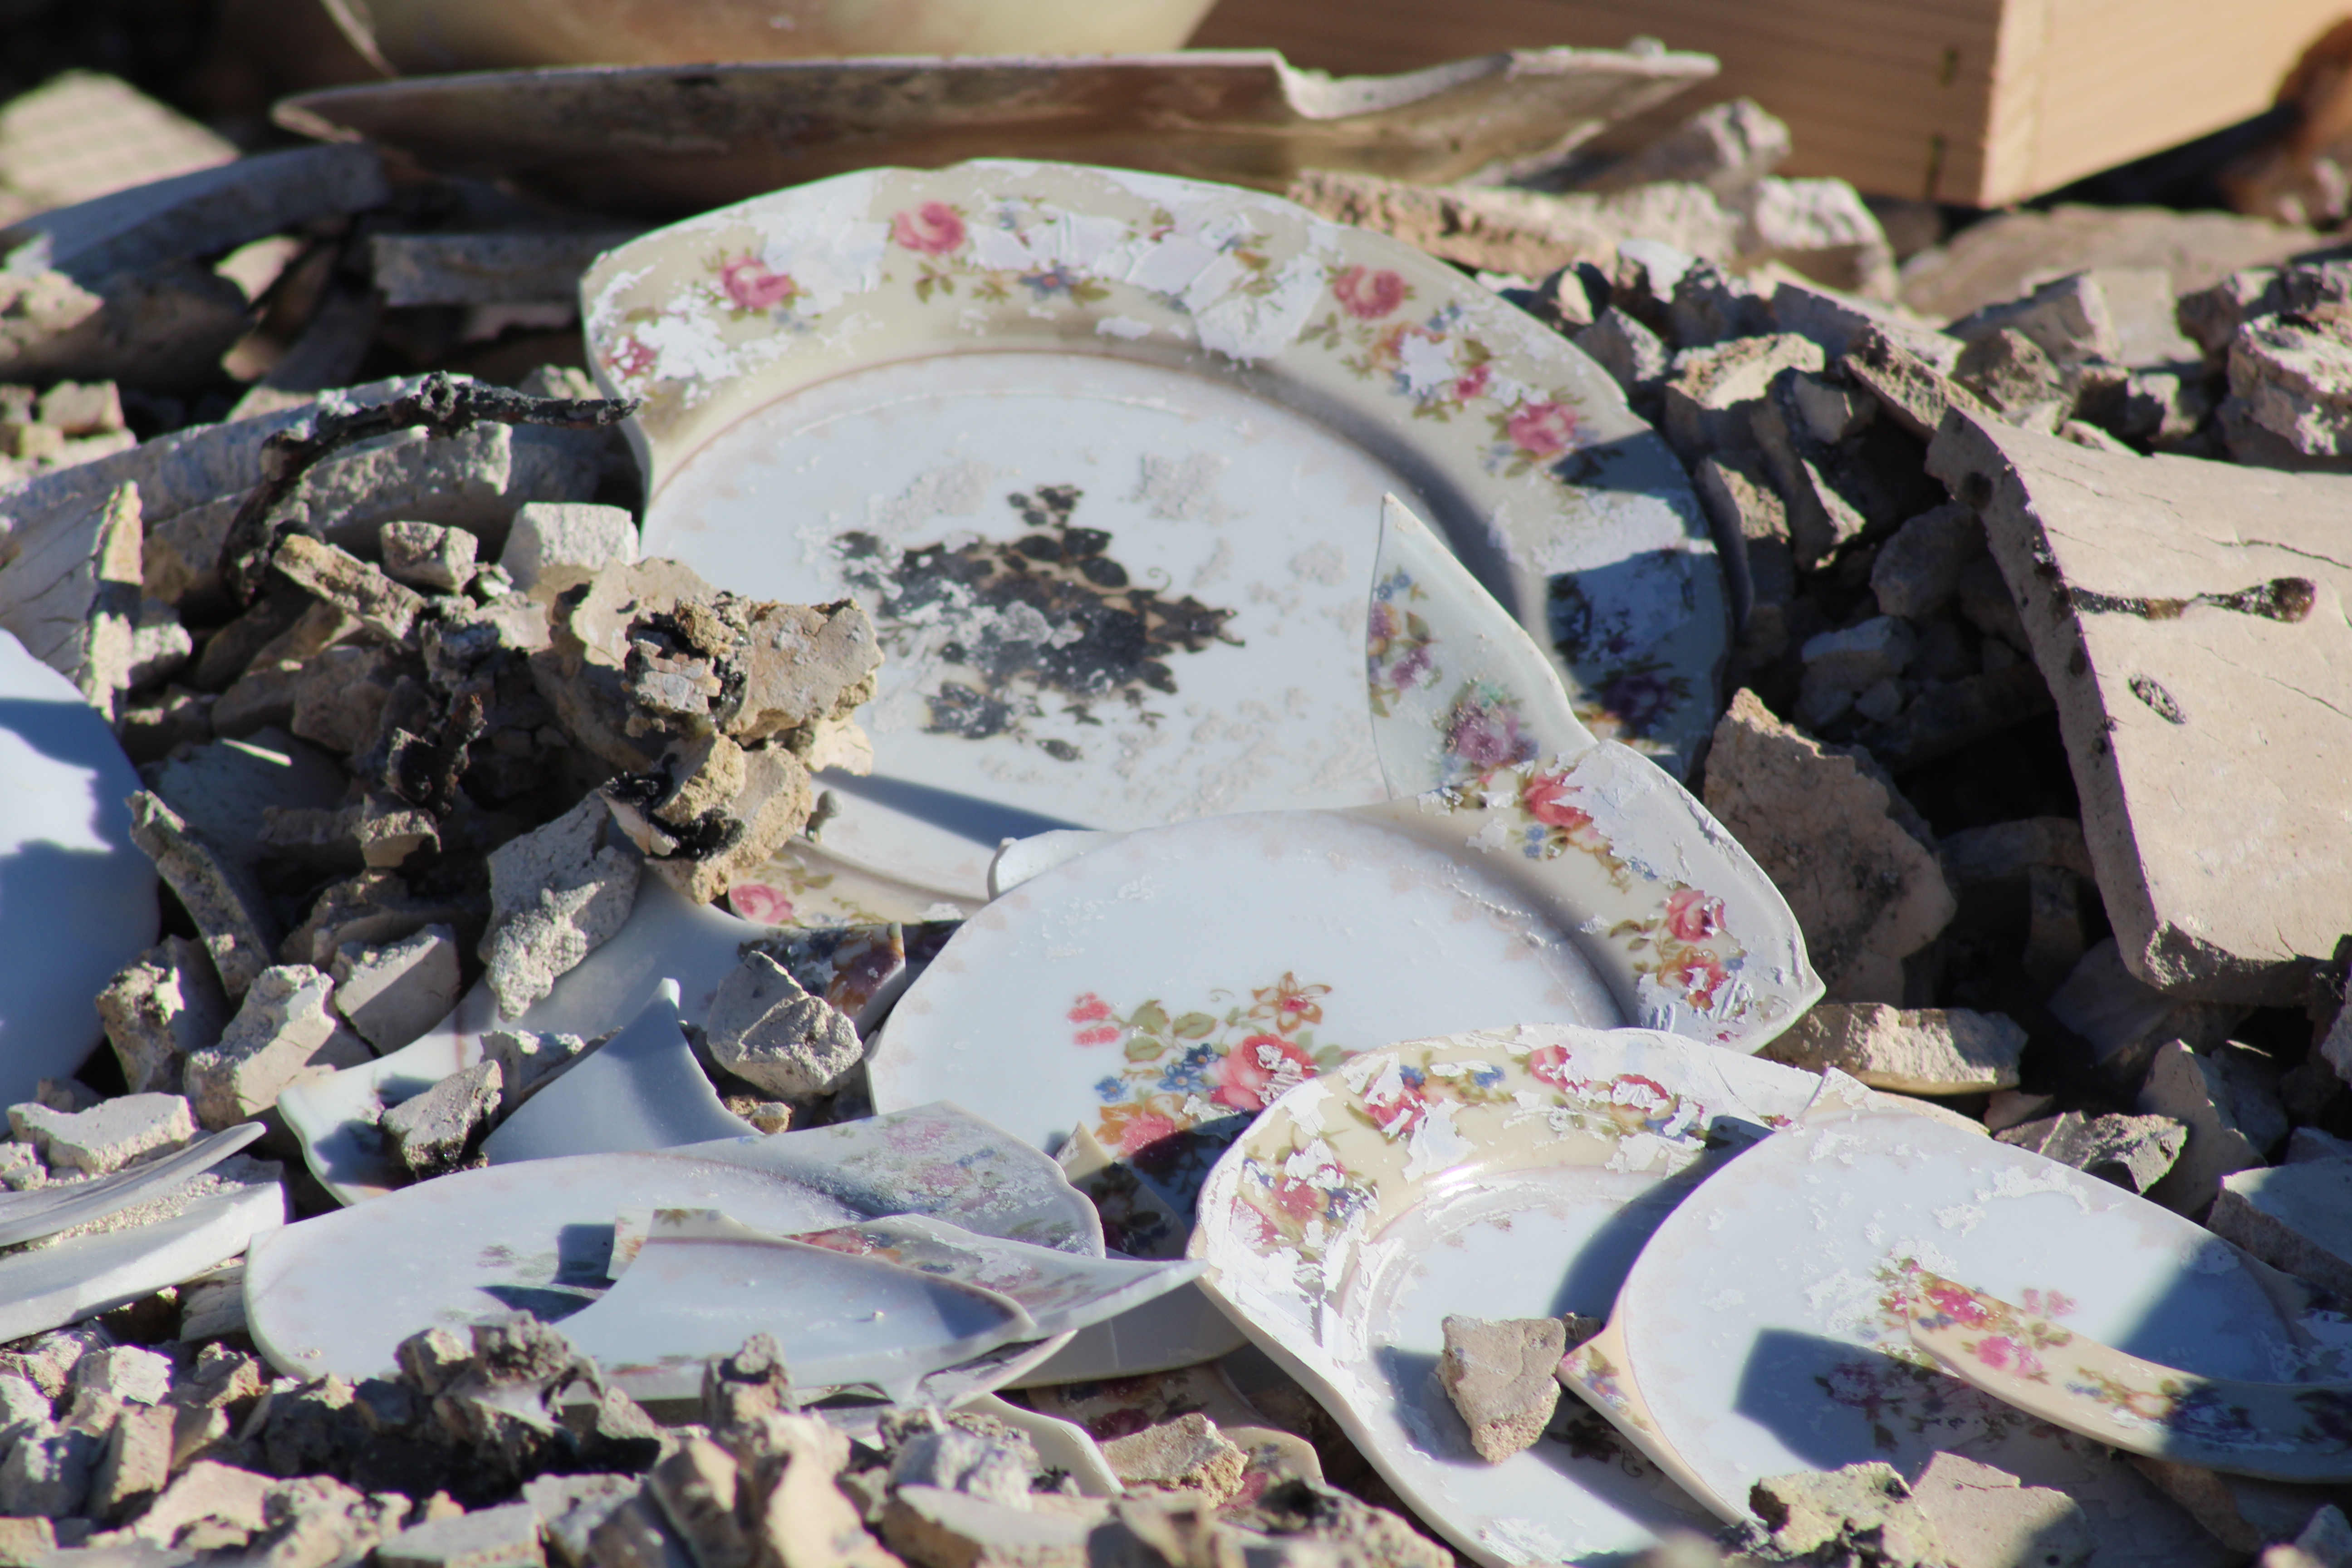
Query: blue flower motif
point(1111, 1090)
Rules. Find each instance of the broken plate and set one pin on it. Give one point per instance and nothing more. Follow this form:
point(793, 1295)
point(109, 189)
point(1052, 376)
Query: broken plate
point(2025, 1357)
point(62, 1204)
point(1785, 1280)
point(668, 141)
point(1104, 455)
point(640, 1089)
point(1501, 1174)
point(666, 938)
point(77, 897)
point(337, 1293)
point(215, 1215)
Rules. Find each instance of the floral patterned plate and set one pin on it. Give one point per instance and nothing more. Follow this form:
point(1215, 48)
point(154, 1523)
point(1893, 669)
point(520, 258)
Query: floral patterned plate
point(1510, 1174)
point(2028, 1358)
point(1103, 453)
point(337, 1293)
point(1765, 1327)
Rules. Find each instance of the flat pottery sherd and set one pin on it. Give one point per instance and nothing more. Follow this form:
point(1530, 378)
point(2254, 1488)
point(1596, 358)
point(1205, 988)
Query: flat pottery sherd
point(641, 1089)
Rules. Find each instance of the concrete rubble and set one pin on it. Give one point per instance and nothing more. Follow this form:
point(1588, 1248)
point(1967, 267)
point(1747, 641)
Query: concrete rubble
point(1931, 1051)
point(1499, 1377)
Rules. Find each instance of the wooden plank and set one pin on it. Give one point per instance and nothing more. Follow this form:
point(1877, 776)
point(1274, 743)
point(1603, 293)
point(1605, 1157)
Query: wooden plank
point(1978, 101)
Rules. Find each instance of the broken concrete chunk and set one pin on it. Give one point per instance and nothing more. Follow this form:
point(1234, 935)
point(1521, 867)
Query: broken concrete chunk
point(1860, 1507)
point(426, 555)
point(394, 993)
point(554, 546)
point(570, 1507)
point(556, 894)
point(768, 1031)
point(1866, 892)
point(230, 915)
point(2068, 319)
point(1188, 1455)
point(71, 595)
point(136, 1463)
point(377, 830)
point(933, 1528)
point(21, 1170)
point(1985, 1518)
point(1714, 391)
point(1499, 1375)
point(772, 804)
point(283, 1032)
point(505, 1537)
point(1822, 229)
point(110, 1135)
point(2297, 1217)
point(1633, 356)
point(1842, 664)
point(371, 909)
point(1727, 147)
point(437, 1130)
point(222, 789)
point(47, 1475)
point(2146, 602)
point(2191, 1089)
point(2124, 1019)
point(1918, 572)
point(1914, 390)
point(525, 1060)
point(2290, 379)
point(2133, 1151)
point(956, 1460)
point(350, 584)
point(1930, 1051)
point(694, 1489)
point(164, 1006)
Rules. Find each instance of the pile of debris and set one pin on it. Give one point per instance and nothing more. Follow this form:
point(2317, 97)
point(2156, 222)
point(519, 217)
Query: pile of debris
point(2035, 718)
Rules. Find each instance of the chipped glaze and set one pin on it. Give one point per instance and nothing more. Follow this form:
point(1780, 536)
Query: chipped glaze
point(1505, 1173)
point(1766, 1327)
point(1344, 349)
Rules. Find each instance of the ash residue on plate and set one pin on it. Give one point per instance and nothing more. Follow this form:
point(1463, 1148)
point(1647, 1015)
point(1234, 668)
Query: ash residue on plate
point(1051, 614)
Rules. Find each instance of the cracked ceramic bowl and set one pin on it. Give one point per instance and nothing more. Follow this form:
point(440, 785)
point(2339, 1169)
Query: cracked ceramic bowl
point(1509, 1173)
point(1104, 455)
point(1765, 1328)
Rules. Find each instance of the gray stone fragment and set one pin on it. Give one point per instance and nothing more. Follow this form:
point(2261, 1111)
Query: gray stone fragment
point(1499, 1375)
point(1713, 392)
point(427, 556)
point(634, 1535)
point(371, 909)
point(2068, 319)
point(2190, 1089)
point(1186, 1454)
point(570, 1507)
point(222, 789)
point(129, 1373)
point(2132, 1152)
point(2124, 1020)
point(434, 1132)
point(47, 1475)
point(934, 1528)
point(1750, 523)
point(1840, 665)
point(1727, 147)
point(283, 1032)
point(1915, 391)
point(2008, 370)
point(378, 830)
point(526, 1059)
point(557, 893)
point(135, 1464)
point(956, 1460)
point(1838, 1512)
point(1918, 572)
point(165, 1004)
point(1820, 228)
point(695, 1487)
point(1927, 1051)
point(1837, 322)
point(551, 547)
point(1985, 1519)
point(2307, 1144)
point(768, 1031)
point(2294, 381)
point(107, 1137)
point(2296, 1217)
point(231, 917)
point(72, 595)
point(393, 993)
point(505, 1537)
point(349, 583)
point(1631, 352)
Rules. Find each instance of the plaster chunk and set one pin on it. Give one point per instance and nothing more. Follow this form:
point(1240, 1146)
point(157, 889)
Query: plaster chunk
point(434, 1132)
point(1986, 1519)
point(136, 1463)
point(1185, 1455)
point(1714, 391)
point(1914, 390)
point(557, 893)
point(553, 546)
point(768, 1031)
point(167, 1004)
point(1866, 892)
point(232, 918)
point(223, 789)
point(570, 1507)
point(1499, 1375)
point(350, 584)
point(2183, 645)
point(505, 1537)
point(1930, 1051)
point(394, 993)
point(2189, 1088)
point(427, 556)
point(112, 1135)
point(2297, 1217)
point(283, 1032)
point(933, 1528)
point(634, 1535)
point(1834, 1511)
point(2133, 1151)
point(966, 1462)
point(1918, 572)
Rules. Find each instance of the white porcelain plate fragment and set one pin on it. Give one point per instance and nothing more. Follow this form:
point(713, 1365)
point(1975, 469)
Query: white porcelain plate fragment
point(1763, 1330)
point(1502, 1174)
point(1103, 454)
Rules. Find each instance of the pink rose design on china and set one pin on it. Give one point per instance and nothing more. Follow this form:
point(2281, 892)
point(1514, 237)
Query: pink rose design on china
point(1472, 383)
point(754, 285)
point(1141, 1132)
point(1700, 975)
point(759, 901)
point(1693, 916)
point(1367, 295)
point(1092, 1015)
point(1260, 1064)
point(1541, 429)
point(1545, 798)
point(933, 228)
point(632, 359)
